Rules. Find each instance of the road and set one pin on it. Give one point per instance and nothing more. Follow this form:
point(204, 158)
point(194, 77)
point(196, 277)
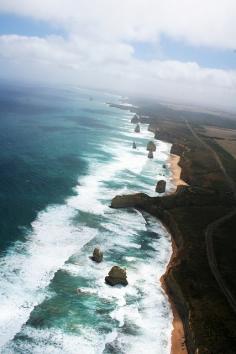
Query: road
point(217, 158)
point(211, 228)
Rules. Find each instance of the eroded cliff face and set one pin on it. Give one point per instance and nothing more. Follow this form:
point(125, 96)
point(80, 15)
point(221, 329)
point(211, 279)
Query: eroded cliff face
point(171, 284)
point(159, 207)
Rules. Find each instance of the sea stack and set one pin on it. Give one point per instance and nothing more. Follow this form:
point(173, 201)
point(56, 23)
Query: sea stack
point(116, 276)
point(97, 255)
point(150, 154)
point(161, 186)
point(134, 145)
point(135, 119)
point(156, 134)
point(137, 129)
point(151, 146)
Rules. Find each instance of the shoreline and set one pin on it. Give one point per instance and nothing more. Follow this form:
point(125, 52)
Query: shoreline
point(177, 335)
point(176, 170)
point(178, 339)
point(187, 213)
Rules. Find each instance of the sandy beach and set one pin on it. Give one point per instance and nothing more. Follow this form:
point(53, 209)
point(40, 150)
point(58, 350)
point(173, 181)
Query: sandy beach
point(176, 170)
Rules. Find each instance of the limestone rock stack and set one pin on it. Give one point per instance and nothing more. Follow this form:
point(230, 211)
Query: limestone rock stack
point(137, 129)
point(135, 119)
point(151, 146)
point(116, 276)
point(97, 255)
point(161, 186)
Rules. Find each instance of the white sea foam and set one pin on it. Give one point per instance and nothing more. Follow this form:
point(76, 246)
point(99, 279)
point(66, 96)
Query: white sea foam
point(55, 341)
point(28, 268)
point(150, 314)
point(152, 319)
point(91, 191)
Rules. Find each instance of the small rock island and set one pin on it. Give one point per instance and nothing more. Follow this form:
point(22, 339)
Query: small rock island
point(116, 276)
point(137, 129)
point(97, 255)
point(151, 146)
point(135, 119)
point(150, 155)
point(161, 186)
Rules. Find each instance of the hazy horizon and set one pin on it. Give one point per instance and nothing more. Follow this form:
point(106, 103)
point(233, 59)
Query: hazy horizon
point(181, 52)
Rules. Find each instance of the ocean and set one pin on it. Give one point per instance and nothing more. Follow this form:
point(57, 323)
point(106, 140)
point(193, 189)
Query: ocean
point(64, 154)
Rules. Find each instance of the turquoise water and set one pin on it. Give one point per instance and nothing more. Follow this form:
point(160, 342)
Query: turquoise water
point(63, 157)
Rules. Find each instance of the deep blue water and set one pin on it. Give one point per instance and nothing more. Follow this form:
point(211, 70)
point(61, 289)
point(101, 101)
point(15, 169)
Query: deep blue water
point(43, 135)
point(62, 158)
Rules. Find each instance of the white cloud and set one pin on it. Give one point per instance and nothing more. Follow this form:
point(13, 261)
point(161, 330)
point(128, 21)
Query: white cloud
point(199, 22)
point(96, 50)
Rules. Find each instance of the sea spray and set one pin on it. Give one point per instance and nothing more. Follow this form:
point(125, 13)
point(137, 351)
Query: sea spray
point(57, 294)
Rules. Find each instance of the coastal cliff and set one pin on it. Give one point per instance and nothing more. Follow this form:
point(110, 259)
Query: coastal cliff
point(206, 315)
point(158, 207)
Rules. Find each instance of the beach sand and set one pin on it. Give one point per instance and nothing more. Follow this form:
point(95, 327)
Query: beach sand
point(176, 170)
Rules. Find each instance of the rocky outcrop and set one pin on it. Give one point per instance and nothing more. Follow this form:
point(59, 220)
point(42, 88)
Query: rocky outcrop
point(156, 134)
point(137, 129)
point(134, 145)
point(97, 255)
point(129, 200)
point(116, 276)
point(150, 155)
point(135, 119)
point(161, 186)
point(184, 196)
point(151, 146)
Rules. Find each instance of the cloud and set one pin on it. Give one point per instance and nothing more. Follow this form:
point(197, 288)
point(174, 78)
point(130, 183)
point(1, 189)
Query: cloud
point(97, 49)
point(199, 22)
point(57, 50)
point(114, 58)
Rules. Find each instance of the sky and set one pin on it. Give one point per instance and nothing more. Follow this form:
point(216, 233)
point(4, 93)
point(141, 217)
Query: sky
point(177, 50)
